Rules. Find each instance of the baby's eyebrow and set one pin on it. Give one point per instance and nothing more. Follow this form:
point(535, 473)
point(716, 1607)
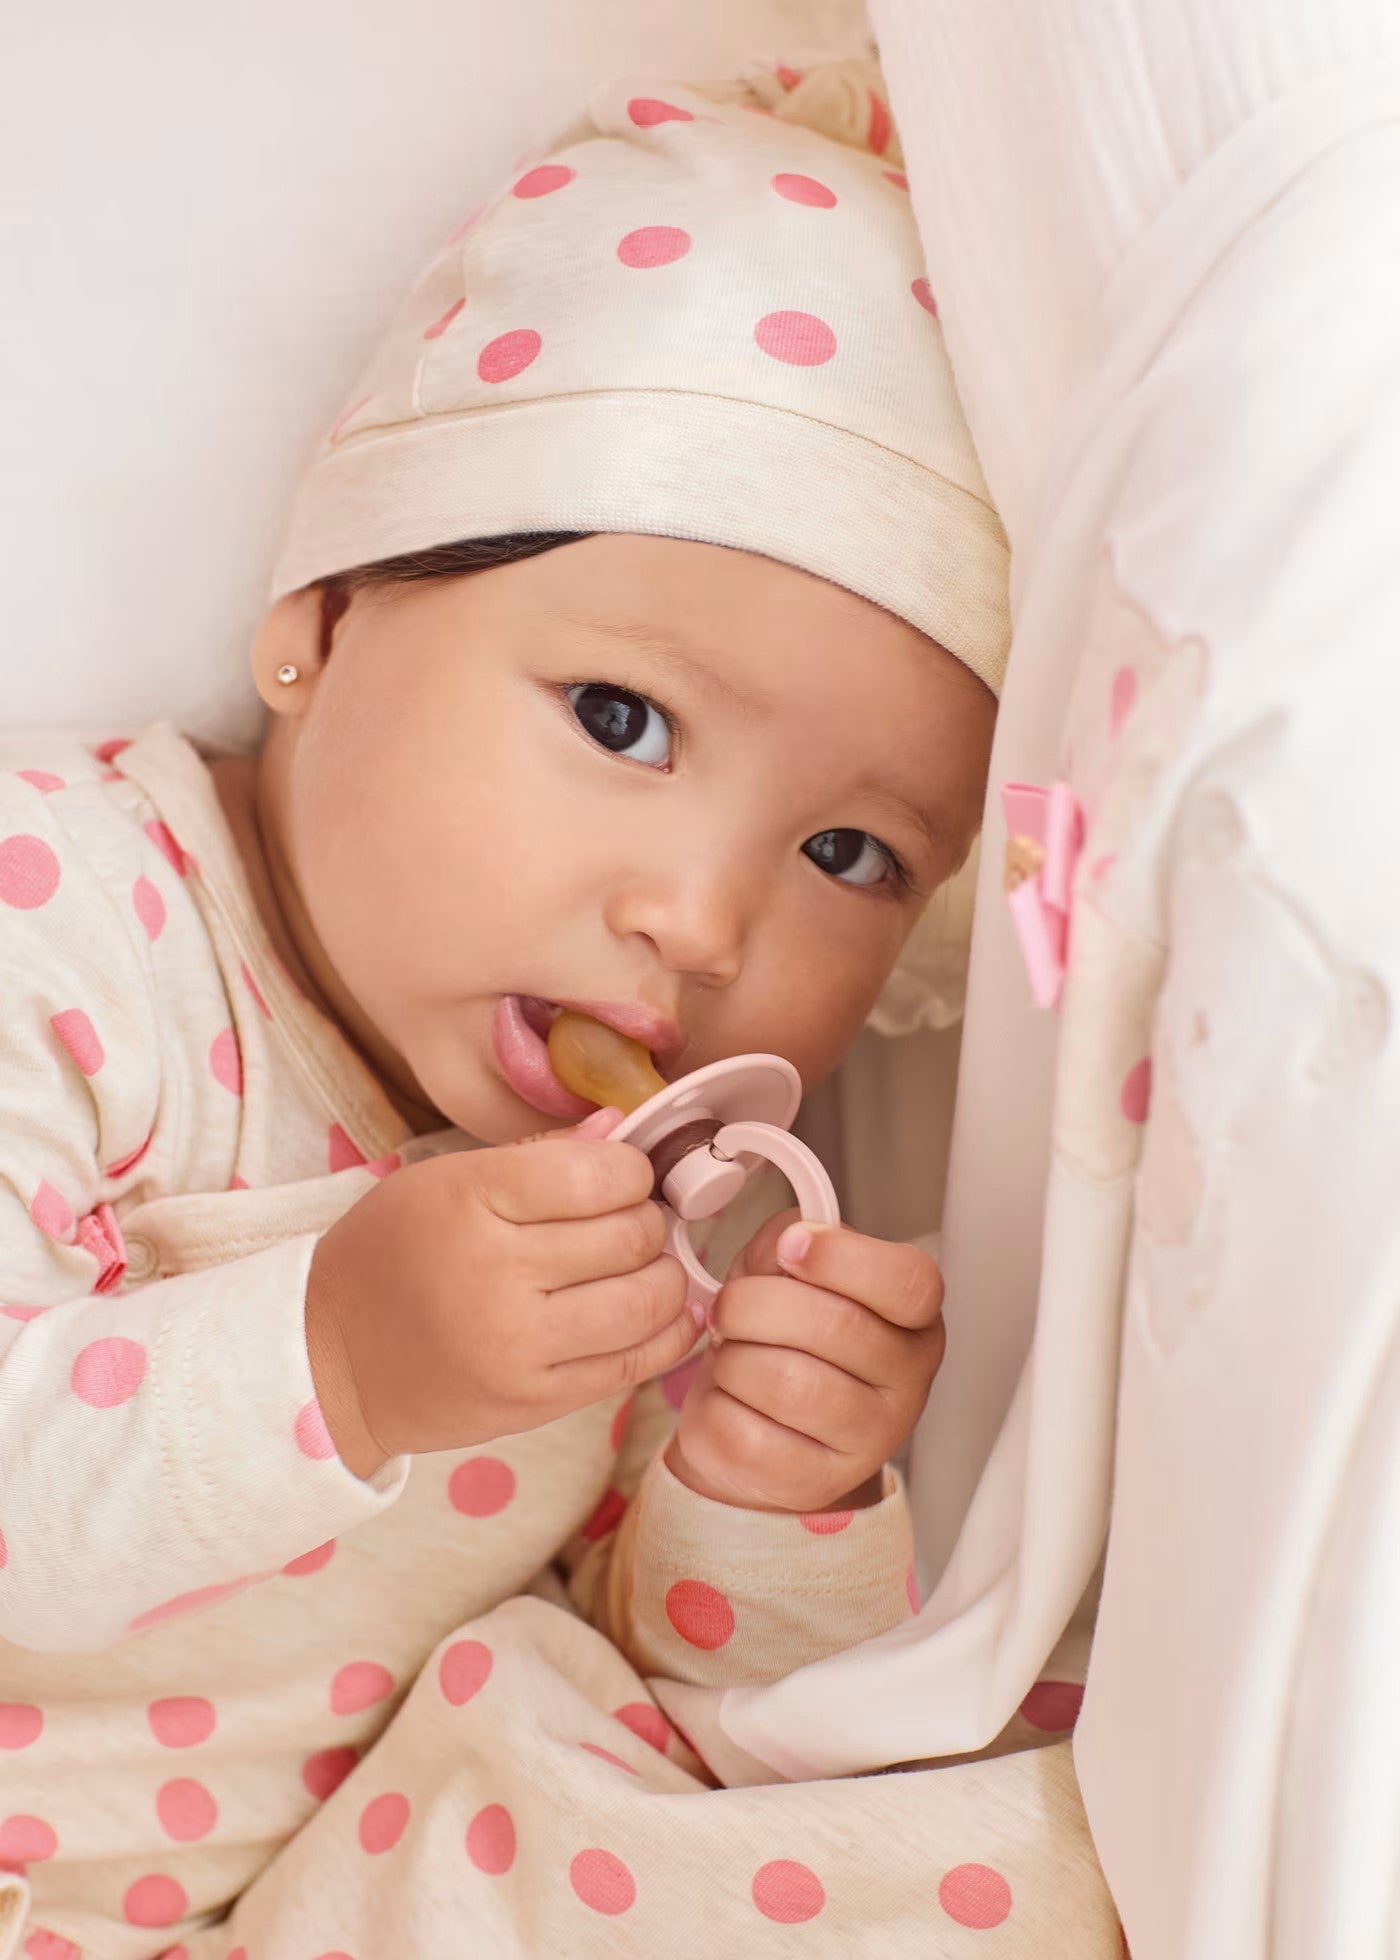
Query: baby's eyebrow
point(670, 658)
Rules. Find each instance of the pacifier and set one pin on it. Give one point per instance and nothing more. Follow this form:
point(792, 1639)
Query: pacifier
point(705, 1134)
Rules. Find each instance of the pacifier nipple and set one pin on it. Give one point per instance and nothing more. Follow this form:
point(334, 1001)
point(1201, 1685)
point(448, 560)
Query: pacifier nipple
point(601, 1065)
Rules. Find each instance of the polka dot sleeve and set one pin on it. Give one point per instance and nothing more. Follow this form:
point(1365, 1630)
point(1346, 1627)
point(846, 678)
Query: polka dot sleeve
point(696, 1591)
point(159, 1444)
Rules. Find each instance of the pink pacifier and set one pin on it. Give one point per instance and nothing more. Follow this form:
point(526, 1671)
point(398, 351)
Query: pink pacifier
point(707, 1134)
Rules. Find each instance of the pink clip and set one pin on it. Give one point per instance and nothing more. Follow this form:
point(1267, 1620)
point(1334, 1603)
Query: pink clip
point(100, 1234)
point(1046, 835)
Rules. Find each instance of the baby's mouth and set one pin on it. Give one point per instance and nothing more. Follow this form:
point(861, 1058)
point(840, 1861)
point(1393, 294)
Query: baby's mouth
point(539, 1014)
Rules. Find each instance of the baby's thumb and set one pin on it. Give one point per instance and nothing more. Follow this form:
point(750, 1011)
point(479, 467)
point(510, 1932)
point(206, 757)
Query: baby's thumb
point(600, 1124)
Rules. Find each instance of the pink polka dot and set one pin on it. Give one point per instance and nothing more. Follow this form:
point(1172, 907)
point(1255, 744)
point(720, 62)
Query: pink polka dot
point(237, 1183)
point(481, 1486)
point(109, 751)
point(383, 1821)
point(823, 1523)
point(345, 417)
point(803, 190)
point(463, 1670)
point(789, 77)
point(14, 1311)
point(79, 1037)
point(341, 1153)
point(255, 990)
point(175, 1953)
point(974, 1895)
point(602, 1881)
point(880, 128)
point(1121, 698)
point(700, 1613)
point(443, 321)
point(618, 1424)
point(20, 1723)
point(491, 1840)
point(648, 1724)
point(26, 1841)
point(1135, 1096)
point(49, 1946)
point(1101, 866)
point(508, 354)
point(1053, 1705)
point(911, 1590)
point(382, 1166)
point(337, 1955)
point(28, 873)
point(190, 1602)
point(149, 907)
point(225, 1062)
point(154, 1901)
point(800, 339)
point(181, 1721)
point(543, 179)
point(607, 1756)
point(185, 1809)
point(108, 1372)
point(313, 1437)
point(606, 1517)
point(309, 1562)
point(675, 1383)
point(50, 1211)
point(923, 293)
point(359, 1684)
point(41, 779)
point(645, 111)
point(654, 245)
point(323, 1773)
point(160, 836)
point(4, 1550)
point(897, 178)
point(788, 1892)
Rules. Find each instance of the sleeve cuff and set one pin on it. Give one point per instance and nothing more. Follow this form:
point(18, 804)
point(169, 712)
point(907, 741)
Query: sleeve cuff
point(256, 1475)
point(722, 1596)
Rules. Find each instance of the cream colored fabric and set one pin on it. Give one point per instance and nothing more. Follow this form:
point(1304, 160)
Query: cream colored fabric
point(208, 1625)
point(699, 314)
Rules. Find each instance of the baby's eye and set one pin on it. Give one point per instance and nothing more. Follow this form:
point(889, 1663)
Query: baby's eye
point(840, 851)
point(617, 719)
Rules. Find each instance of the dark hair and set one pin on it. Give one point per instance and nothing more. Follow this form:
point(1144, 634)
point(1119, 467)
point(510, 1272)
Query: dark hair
point(337, 589)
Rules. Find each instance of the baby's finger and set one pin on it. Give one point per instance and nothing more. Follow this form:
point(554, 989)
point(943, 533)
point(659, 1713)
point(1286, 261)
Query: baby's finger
point(567, 1252)
point(801, 1392)
point(899, 1282)
point(591, 1377)
point(563, 1177)
point(784, 1312)
point(603, 1316)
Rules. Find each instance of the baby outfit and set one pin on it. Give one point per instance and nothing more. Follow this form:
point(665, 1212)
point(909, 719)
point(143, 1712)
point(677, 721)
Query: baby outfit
point(376, 1714)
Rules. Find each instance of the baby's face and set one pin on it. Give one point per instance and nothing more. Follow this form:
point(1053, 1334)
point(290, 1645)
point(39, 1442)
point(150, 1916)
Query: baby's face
point(632, 770)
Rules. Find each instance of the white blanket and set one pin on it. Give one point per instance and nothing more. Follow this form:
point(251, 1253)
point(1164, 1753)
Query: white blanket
point(1167, 253)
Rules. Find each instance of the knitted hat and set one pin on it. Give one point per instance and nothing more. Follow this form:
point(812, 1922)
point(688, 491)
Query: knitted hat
point(704, 316)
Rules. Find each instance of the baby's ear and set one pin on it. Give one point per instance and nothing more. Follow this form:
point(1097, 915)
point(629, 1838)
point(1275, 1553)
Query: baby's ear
point(287, 654)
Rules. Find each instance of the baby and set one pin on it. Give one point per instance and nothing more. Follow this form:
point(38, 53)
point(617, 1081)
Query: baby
point(634, 648)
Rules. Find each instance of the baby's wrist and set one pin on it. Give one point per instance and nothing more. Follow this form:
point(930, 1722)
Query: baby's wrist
point(333, 1375)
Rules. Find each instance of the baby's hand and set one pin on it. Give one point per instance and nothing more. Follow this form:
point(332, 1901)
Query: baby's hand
point(484, 1292)
point(816, 1379)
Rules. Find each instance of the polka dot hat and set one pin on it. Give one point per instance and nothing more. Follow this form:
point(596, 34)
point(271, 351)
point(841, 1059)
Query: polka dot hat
point(703, 315)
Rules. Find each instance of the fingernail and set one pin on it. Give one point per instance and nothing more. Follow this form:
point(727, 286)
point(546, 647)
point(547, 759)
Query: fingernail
point(599, 1123)
point(793, 1246)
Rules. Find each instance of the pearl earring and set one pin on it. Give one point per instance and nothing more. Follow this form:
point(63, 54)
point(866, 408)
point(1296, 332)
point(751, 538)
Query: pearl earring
point(288, 674)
